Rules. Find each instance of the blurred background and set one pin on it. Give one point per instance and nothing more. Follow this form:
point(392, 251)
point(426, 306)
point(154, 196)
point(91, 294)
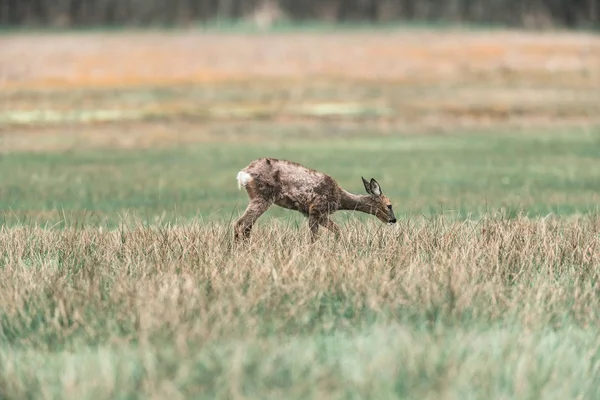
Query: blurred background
point(147, 109)
point(532, 13)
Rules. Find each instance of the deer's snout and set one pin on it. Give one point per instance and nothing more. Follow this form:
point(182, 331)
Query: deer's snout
point(391, 216)
point(386, 215)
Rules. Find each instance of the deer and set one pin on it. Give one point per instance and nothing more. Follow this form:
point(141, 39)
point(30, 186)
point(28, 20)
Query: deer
point(316, 195)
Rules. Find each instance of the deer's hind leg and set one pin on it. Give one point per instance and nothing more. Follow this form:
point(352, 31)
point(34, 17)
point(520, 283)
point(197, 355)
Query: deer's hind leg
point(256, 208)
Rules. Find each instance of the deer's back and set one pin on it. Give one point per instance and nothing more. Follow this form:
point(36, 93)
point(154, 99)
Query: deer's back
point(288, 181)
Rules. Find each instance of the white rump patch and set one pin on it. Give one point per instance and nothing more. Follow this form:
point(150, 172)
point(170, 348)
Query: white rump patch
point(243, 179)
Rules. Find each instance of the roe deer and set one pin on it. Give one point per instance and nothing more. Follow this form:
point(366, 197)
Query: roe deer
point(316, 195)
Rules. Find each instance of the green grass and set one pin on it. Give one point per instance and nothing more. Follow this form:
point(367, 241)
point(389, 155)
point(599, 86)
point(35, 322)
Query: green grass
point(411, 364)
point(529, 172)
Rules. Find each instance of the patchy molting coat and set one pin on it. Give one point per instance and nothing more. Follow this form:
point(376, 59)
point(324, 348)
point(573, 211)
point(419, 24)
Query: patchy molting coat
point(293, 186)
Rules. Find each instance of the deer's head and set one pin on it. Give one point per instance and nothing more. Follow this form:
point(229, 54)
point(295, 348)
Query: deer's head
point(381, 206)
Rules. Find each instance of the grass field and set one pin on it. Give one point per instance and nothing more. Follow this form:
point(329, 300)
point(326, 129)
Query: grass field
point(119, 277)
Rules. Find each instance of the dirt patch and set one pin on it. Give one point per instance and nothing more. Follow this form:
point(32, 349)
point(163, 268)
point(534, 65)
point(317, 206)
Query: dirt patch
point(103, 59)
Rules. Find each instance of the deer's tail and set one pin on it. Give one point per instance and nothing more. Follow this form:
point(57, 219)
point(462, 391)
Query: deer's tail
point(243, 178)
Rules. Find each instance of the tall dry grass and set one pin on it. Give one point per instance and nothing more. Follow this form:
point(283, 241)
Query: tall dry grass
point(426, 308)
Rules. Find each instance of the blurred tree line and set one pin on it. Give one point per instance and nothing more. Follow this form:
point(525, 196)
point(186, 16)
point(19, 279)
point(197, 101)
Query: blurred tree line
point(528, 13)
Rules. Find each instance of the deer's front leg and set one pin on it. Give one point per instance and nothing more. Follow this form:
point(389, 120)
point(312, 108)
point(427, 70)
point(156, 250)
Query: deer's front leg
point(313, 223)
point(329, 224)
point(256, 208)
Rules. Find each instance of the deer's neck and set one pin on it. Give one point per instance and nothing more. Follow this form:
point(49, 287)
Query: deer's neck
point(355, 202)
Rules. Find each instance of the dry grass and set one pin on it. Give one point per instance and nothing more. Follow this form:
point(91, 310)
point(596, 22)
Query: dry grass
point(428, 309)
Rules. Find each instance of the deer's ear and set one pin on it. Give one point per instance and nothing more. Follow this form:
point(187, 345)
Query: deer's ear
point(367, 185)
point(375, 188)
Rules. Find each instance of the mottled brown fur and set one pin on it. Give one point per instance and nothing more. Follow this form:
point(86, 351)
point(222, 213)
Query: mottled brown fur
point(314, 194)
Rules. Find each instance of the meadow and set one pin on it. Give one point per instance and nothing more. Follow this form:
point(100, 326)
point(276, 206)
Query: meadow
point(119, 277)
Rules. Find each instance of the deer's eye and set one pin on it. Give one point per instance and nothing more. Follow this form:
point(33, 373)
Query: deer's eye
point(389, 206)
